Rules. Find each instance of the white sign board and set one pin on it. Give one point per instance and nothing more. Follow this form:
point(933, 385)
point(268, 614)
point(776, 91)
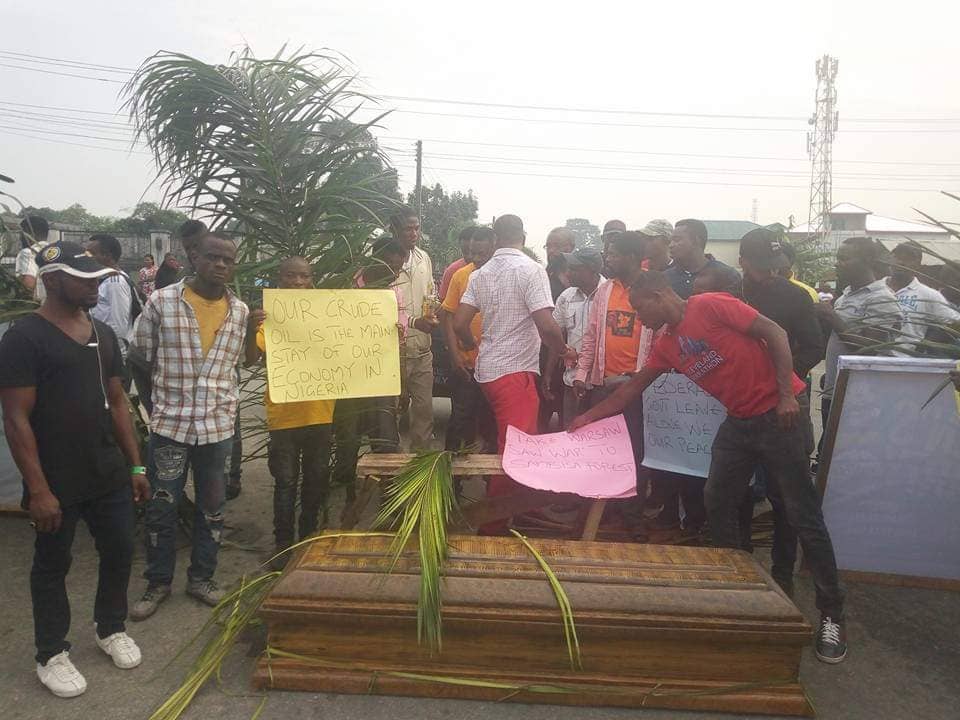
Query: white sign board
point(680, 421)
point(892, 494)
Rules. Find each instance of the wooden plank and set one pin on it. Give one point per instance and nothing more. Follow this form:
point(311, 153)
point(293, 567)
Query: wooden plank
point(388, 464)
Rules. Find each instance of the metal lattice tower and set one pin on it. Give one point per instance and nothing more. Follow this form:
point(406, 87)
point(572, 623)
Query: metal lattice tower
point(820, 149)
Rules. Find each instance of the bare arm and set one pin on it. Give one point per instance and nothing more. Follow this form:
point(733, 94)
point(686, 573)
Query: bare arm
point(461, 325)
point(18, 404)
point(550, 332)
point(778, 347)
point(450, 337)
point(29, 282)
point(619, 400)
point(127, 437)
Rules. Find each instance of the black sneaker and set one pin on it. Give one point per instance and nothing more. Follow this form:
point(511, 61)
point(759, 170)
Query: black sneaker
point(831, 641)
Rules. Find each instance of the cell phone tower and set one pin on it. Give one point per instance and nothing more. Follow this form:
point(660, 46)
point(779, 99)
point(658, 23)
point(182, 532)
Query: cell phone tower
point(824, 123)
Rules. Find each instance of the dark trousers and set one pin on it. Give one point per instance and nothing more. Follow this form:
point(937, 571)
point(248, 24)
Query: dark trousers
point(168, 463)
point(109, 519)
point(470, 417)
point(290, 452)
point(353, 419)
point(741, 445)
point(235, 469)
point(783, 553)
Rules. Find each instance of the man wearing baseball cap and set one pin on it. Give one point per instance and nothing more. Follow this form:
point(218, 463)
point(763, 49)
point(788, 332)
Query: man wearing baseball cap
point(66, 421)
point(762, 258)
point(572, 313)
point(657, 254)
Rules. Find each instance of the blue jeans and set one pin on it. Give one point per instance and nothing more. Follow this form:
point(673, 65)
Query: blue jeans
point(110, 521)
point(168, 463)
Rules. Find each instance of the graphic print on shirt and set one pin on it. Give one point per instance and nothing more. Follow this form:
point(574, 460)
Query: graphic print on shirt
point(621, 323)
point(697, 357)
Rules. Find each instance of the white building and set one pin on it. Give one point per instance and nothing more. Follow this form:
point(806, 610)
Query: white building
point(848, 220)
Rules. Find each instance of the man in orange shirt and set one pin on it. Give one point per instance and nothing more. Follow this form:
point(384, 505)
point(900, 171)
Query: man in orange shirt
point(615, 346)
point(469, 410)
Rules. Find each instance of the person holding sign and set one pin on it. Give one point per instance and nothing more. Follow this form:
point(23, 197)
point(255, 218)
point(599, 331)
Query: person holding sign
point(300, 434)
point(742, 359)
point(415, 283)
point(513, 293)
point(193, 332)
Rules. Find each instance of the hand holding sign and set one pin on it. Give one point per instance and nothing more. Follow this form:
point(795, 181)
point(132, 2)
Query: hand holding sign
point(595, 461)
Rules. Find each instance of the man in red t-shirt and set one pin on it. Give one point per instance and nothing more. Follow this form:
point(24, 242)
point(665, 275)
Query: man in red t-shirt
point(743, 359)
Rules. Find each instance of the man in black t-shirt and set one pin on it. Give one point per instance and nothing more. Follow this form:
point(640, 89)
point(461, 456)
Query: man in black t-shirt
point(790, 307)
point(66, 421)
point(688, 246)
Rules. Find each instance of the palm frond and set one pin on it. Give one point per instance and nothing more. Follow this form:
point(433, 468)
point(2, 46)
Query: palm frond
point(421, 498)
point(566, 611)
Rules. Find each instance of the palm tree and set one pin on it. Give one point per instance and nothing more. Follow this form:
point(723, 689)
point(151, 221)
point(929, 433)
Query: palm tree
point(268, 147)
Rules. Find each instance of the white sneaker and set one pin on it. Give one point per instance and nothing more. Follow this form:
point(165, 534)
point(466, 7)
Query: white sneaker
point(61, 677)
point(122, 649)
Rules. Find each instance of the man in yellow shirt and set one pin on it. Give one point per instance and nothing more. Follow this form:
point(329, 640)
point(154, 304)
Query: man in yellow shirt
point(300, 436)
point(469, 411)
point(790, 253)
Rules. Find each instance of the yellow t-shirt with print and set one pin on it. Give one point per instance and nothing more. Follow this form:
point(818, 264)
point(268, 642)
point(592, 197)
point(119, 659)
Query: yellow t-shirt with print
point(210, 316)
point(283, 416)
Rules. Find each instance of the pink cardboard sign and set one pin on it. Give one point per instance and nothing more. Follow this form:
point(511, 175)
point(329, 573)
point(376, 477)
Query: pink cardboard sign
point(596, 461)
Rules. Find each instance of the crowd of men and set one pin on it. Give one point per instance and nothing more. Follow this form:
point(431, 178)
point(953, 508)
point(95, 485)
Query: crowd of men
point(580, 338)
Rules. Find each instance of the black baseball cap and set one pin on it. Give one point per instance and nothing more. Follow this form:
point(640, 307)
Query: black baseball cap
point(763, 248)
point(71, 258)
point(585, 257)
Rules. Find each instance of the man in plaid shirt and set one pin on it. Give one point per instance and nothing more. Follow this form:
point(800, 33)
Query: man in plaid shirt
point(193, 332)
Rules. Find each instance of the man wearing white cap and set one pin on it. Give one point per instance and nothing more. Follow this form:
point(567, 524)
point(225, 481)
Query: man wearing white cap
point(66, 420)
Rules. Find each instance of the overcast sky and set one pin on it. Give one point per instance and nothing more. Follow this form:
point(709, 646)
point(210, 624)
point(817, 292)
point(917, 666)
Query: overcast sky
point(732, 58)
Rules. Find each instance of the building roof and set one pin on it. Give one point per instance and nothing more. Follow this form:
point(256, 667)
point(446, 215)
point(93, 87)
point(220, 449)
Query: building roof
point(848, 209)
point(728, 230)
point(877, 223)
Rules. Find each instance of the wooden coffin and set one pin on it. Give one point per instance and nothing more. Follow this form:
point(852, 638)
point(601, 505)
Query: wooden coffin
point(659, 626)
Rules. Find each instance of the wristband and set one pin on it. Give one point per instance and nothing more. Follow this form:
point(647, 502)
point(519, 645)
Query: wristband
point(138, 470)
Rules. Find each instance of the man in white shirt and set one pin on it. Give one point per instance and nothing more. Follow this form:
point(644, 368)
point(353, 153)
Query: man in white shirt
point(415, 283)
point(115, 296)
point(513, 293)
point(34, 231)
point(572, 314)
point(923, 307)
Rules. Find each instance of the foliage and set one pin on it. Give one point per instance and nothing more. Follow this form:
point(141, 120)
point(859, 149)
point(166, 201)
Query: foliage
point(442, 218)
point(270, 146)
point(146, 216)
point(421, 498)
point(588, 234)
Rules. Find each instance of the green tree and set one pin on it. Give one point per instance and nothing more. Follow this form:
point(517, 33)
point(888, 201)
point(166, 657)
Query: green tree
point(268, 144)
point(76, 214)
point(443, 217)
point(147, 216)
point(588, 234)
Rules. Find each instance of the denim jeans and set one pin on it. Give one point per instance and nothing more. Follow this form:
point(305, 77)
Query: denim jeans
point(742, 444)
point(470, 416)
point(168, 463)
point(291, 451)
point(110, 521)
point(234, 469)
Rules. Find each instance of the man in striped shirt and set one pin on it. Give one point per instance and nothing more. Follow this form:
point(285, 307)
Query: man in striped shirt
point(193, 332)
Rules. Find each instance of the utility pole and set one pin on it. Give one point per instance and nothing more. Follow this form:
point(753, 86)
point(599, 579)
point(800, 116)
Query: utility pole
point(418, 190)
point(820, 149)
